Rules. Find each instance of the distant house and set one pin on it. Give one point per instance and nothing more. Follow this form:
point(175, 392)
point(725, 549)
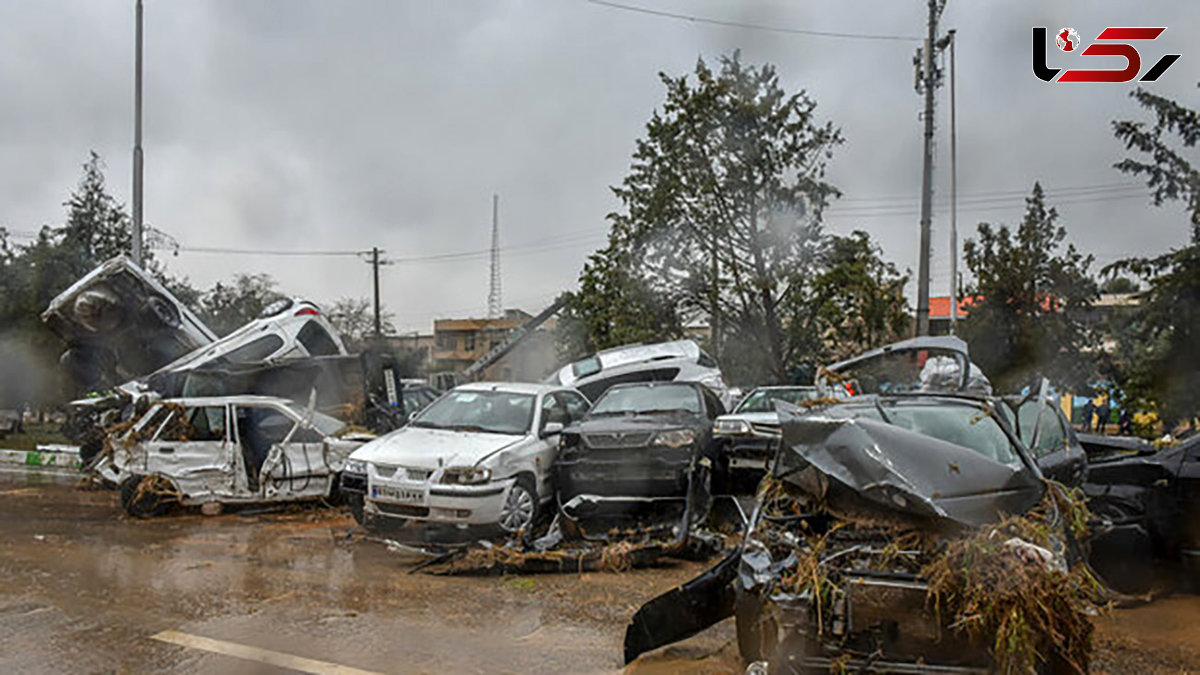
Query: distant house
point(460, 342)
point(1107, 305)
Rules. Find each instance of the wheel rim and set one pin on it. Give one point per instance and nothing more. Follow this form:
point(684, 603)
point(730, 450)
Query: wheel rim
point(517, 512)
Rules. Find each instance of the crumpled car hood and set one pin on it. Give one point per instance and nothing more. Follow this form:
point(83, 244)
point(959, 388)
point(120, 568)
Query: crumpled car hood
point(861, 464)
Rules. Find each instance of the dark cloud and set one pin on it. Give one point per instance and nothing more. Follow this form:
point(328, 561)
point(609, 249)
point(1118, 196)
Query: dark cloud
point(345, 125)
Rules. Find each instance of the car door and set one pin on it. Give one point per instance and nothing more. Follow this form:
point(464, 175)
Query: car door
point(192, 447)
point(544, 450)
point(280, 461)
point(1059, 456)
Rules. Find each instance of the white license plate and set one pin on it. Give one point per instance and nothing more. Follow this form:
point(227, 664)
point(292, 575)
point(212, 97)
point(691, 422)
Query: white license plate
point(395, 494)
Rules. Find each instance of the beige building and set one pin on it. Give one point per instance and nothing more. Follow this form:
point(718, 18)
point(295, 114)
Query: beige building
point(460, 342)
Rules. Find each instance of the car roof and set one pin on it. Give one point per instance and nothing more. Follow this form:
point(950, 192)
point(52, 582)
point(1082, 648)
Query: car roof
point(512, 387)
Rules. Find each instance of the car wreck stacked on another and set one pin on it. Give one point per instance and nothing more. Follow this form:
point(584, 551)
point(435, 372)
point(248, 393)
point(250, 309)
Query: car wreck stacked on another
point(865, 497)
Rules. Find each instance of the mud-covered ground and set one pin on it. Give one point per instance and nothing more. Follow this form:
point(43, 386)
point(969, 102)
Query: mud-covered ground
point(83, 590)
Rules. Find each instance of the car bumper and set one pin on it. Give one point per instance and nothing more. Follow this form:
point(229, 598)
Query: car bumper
point(461, 506)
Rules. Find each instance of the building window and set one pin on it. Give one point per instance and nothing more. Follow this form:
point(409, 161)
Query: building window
point(470, 346)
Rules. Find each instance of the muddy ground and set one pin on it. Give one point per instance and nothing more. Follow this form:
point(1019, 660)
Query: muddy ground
point(83, 590)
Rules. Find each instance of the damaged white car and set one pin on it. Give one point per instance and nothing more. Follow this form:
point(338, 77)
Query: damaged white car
point(226, 450)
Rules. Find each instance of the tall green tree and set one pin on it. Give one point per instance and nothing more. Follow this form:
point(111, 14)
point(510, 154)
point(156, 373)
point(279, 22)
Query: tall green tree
point(1157, 359)
point(860, 297)
point(722, 206)
point(1031, 295)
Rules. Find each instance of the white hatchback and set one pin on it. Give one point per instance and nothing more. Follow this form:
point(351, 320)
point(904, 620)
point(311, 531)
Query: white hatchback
point(479, 457)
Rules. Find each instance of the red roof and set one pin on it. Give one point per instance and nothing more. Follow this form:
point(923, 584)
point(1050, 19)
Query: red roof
point(939, 307)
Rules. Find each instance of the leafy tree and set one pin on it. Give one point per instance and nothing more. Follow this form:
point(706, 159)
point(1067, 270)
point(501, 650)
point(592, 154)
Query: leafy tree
point(97, 226)
point(860, 298)
point(1157, 359)
point(1030, 301)
point(613, 307)
point(354, 319)
point(722, 208)
point(1120, 285)
point(227, 307)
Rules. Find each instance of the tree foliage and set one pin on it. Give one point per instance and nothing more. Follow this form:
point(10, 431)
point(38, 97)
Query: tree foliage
point(1030, 299)
point(354, 319)
point(860, 298)
point(721, 215)
point(1157, 359)
point(228, 306)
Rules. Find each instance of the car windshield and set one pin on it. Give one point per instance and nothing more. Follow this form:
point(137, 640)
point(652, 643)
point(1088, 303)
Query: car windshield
point(964, 425)
point(327, 425)
point(497, 412)
point(923, 370)
point(640, 400)
point(763, 400)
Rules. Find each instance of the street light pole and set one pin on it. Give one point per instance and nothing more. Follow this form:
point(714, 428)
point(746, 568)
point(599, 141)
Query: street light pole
point(137, 139)
point(953, 195)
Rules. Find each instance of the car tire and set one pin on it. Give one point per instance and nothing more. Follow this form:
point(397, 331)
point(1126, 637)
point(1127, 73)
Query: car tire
point(355, 503)
point(520, 509)
point(143, 496)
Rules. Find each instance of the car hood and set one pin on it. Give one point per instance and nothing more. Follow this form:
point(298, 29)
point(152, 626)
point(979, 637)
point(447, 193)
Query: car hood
point(434, 448)
point(863, 466)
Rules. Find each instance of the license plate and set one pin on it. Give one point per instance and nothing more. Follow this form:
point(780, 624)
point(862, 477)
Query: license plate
point(395, 494)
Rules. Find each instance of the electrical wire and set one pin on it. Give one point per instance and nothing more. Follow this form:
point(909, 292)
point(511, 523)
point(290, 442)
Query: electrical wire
point(754, 26)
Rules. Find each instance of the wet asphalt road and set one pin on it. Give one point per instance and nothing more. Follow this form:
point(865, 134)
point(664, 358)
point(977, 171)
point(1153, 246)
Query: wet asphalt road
point(83, 590)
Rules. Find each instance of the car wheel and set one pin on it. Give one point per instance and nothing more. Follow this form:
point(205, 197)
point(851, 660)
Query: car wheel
point(355, 503)
point(148, 496)
point(520, 506)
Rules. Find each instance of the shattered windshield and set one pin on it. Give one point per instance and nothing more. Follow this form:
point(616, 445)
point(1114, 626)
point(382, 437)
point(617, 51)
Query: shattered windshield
point(763, 400)
point(960, 424)
point(497, 412)
point(640, 400)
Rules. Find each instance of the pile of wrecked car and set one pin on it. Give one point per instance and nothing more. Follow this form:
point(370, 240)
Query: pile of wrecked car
point(894, 516)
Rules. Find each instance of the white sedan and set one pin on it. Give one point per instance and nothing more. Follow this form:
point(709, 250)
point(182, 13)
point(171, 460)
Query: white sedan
point(479, 457)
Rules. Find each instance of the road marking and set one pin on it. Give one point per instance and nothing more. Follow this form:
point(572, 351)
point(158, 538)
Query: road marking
point(266, 656)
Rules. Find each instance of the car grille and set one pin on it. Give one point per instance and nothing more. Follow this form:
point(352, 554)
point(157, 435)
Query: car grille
point(627, 439)
point(773, 429)
point(402, 472)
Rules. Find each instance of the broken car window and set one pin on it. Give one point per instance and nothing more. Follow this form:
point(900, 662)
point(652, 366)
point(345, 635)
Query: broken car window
point(255, 351)
point(963, 425)
point(207, 424)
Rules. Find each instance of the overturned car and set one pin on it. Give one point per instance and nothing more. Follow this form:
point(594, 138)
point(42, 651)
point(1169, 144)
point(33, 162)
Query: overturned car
point(907, 529)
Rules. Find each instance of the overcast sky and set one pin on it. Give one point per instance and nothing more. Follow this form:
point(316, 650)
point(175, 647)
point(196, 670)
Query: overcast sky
point(342, 125)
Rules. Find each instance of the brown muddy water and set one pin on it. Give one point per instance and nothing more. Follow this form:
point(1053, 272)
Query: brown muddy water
point(84, 590)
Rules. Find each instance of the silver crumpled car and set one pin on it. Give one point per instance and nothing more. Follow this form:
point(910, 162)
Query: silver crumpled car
point(227, 450)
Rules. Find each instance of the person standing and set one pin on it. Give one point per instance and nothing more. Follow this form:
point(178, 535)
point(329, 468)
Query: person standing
point(1125, 421)
point(1088, 409)
point(1102, 415)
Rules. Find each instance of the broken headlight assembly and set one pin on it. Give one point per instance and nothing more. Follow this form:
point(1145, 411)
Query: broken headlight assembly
point(355, 466)
point(675, 439)
point(466, 475)
point(731, 427)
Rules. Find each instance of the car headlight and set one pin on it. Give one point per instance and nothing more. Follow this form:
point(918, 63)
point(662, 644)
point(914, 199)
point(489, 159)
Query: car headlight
point(731, 427)
point(355, 466)
point(466, 475)
point(675, 439)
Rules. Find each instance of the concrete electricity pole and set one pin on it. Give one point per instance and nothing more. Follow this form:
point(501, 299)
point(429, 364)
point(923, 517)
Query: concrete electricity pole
point(927, 81)
point(137, 139)
point(375, 270)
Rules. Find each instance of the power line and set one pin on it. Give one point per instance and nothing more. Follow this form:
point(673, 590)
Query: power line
point(753, 26)
point(999, 193)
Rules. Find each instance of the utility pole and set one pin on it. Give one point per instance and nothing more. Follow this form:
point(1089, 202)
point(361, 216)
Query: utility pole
point(495, 304)
point(927, 82)
point(953, 194)
point(375, 266)
point(137, 139)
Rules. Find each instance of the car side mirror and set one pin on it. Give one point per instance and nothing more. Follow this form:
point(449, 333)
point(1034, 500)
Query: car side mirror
point(551, 429)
